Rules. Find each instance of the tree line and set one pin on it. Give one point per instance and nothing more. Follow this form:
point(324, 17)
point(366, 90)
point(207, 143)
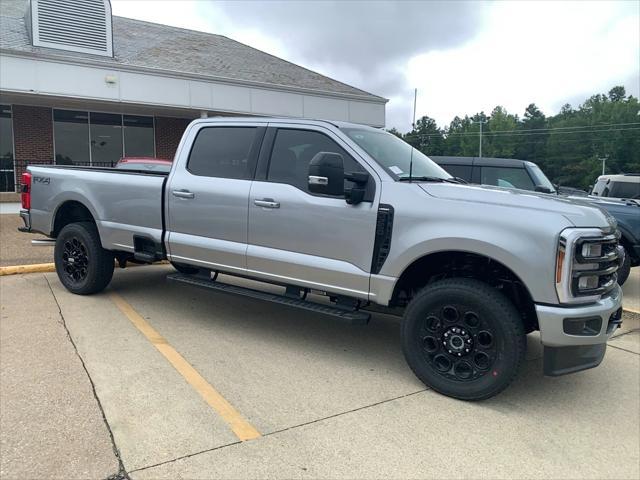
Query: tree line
point(569, 146)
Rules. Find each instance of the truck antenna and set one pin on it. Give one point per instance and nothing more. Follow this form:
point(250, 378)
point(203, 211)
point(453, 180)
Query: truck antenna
point(413, 126)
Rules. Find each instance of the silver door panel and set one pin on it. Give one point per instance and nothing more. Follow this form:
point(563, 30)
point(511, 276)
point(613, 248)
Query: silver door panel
point(315, 241)
point(307, 271)
point(211, 226)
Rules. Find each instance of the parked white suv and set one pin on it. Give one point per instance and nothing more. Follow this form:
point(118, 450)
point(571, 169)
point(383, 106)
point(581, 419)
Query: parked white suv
point(618, 186)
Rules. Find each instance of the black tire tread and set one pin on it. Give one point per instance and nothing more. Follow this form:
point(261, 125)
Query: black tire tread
point(104, 260)
point(475, 287)
point(624, 270)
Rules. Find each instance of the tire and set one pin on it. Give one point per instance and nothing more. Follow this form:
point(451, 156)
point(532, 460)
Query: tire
point(186, 269)
point(484, 338)
point(83, 266)
point(624, 270)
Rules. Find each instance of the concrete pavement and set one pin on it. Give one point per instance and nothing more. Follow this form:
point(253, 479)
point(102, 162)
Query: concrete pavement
point(51, 423)
point(16, 248)
point(631, 290)
point(330, 400)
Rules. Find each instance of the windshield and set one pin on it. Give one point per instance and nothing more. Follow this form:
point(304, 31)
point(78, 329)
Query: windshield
point(540, 178)
point(394, 154)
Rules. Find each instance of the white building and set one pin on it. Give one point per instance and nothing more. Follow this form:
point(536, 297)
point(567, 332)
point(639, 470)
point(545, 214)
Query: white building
point(78, 85)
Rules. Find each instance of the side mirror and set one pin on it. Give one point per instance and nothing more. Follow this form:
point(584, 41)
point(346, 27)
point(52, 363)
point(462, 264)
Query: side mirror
point(326, 174)
point(542, 189)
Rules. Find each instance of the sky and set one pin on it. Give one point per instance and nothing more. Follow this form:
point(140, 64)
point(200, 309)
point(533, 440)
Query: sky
point(462, 57)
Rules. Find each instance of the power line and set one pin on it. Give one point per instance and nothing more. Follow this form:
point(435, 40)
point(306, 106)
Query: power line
point(518, 133)
point(595, 125)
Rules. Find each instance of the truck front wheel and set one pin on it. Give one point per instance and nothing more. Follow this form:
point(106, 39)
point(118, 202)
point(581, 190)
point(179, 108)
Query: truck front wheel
point(83, 266)
point(463, 338)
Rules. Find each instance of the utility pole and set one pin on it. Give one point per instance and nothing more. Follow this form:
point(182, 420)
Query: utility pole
point(604, 161)
point(480, 146)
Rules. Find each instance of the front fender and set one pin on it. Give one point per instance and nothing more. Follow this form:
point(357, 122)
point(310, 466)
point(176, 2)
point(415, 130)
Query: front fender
point(525, 242)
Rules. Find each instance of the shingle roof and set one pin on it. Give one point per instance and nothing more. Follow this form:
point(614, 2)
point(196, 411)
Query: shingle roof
point(171, 49)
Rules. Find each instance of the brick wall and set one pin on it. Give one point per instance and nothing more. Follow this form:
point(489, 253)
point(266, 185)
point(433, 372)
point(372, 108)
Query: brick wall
point(168, 134)
point(33, 136)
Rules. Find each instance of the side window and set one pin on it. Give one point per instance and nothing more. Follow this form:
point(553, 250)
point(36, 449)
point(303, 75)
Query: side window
point(625, 190)
point(223, 152)
point(506, 177)
point(461, 171)
point(292, 152)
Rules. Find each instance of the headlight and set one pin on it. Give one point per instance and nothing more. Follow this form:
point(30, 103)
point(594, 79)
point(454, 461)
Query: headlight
point(590, 249)
point(587, 262)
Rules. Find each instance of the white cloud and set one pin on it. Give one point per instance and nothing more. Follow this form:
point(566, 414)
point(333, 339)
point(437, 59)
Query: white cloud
point(541, 52)
point(504, 53)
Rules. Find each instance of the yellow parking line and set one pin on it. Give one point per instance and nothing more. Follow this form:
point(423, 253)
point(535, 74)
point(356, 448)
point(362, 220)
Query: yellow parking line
point(241, 427)
point(37, 268)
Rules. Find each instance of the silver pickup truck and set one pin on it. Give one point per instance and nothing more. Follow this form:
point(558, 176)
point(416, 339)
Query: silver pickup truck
point(355, 214)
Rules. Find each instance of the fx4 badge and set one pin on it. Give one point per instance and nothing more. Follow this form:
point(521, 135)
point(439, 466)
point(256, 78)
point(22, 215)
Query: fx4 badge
point(42, 180)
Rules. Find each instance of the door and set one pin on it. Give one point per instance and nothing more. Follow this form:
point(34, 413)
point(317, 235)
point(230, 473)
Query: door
point(208, 195)
point(300, 238)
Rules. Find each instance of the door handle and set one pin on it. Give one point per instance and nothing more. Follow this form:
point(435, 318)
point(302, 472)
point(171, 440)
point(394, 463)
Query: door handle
point(183, 194)
point(267, 203)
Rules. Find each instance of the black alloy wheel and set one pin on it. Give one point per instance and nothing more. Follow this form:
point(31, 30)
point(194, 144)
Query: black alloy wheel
point(83, 266)
point(463, 338)
point(75, 259)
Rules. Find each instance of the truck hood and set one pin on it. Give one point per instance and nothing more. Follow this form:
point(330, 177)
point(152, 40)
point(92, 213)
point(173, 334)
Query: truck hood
point(579, 213)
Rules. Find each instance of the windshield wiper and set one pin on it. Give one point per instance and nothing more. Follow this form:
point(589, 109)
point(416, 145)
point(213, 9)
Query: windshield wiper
point(430, 179)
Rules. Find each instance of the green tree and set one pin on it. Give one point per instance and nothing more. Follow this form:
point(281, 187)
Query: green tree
point(500, 140)
point(530, 145)
point(426, 137)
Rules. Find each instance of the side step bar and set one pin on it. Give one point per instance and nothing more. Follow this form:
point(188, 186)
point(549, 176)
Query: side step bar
point(354, 317)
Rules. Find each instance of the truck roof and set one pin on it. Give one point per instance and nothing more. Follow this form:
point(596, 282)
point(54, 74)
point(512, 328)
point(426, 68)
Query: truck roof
point(623, 177)
point(302, 121)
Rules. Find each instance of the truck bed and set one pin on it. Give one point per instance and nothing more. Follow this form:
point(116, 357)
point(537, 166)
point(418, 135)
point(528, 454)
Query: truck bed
point(124, 203)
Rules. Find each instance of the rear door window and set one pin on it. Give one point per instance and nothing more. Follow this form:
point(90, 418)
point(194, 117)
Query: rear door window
point(223, 152)
point(507, 177)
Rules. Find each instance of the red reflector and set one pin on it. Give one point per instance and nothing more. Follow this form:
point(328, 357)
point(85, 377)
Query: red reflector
point(25, 190)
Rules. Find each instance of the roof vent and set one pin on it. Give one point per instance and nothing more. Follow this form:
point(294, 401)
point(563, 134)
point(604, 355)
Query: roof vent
point(74, 25)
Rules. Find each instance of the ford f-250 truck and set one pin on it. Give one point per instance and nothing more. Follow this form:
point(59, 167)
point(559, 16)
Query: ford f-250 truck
point(356, 214)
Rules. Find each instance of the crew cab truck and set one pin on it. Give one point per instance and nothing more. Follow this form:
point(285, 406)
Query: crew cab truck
point(356, 214)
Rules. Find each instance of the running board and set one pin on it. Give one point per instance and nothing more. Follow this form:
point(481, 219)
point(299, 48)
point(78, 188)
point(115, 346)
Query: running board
point(354, 317)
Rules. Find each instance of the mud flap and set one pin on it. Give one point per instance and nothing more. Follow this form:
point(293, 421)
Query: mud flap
point(563, 360)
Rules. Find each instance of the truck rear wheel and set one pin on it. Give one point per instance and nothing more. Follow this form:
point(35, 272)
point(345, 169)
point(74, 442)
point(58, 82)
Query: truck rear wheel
point(83, 266)
point(463, 338)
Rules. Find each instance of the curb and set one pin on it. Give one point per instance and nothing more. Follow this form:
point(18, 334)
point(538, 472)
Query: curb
point(37, 268)
point(48, 268)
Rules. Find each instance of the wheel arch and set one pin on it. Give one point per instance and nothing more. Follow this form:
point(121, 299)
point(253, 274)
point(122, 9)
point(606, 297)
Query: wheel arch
point(465, 264)
point(70, 211)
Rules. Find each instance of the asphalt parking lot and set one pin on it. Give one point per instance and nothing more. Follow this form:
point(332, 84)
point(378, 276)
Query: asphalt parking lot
point(162, 381)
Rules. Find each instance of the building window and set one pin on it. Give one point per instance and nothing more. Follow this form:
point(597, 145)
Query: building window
point(100, 139)
point(105, 130)
point(71, 137)
point(138, 136)
point(7, 175)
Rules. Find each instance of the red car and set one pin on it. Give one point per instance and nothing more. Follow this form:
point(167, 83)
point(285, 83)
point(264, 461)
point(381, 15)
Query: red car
point(156, 165)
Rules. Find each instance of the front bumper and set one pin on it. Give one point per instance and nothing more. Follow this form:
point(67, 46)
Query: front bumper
point(575, 338)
